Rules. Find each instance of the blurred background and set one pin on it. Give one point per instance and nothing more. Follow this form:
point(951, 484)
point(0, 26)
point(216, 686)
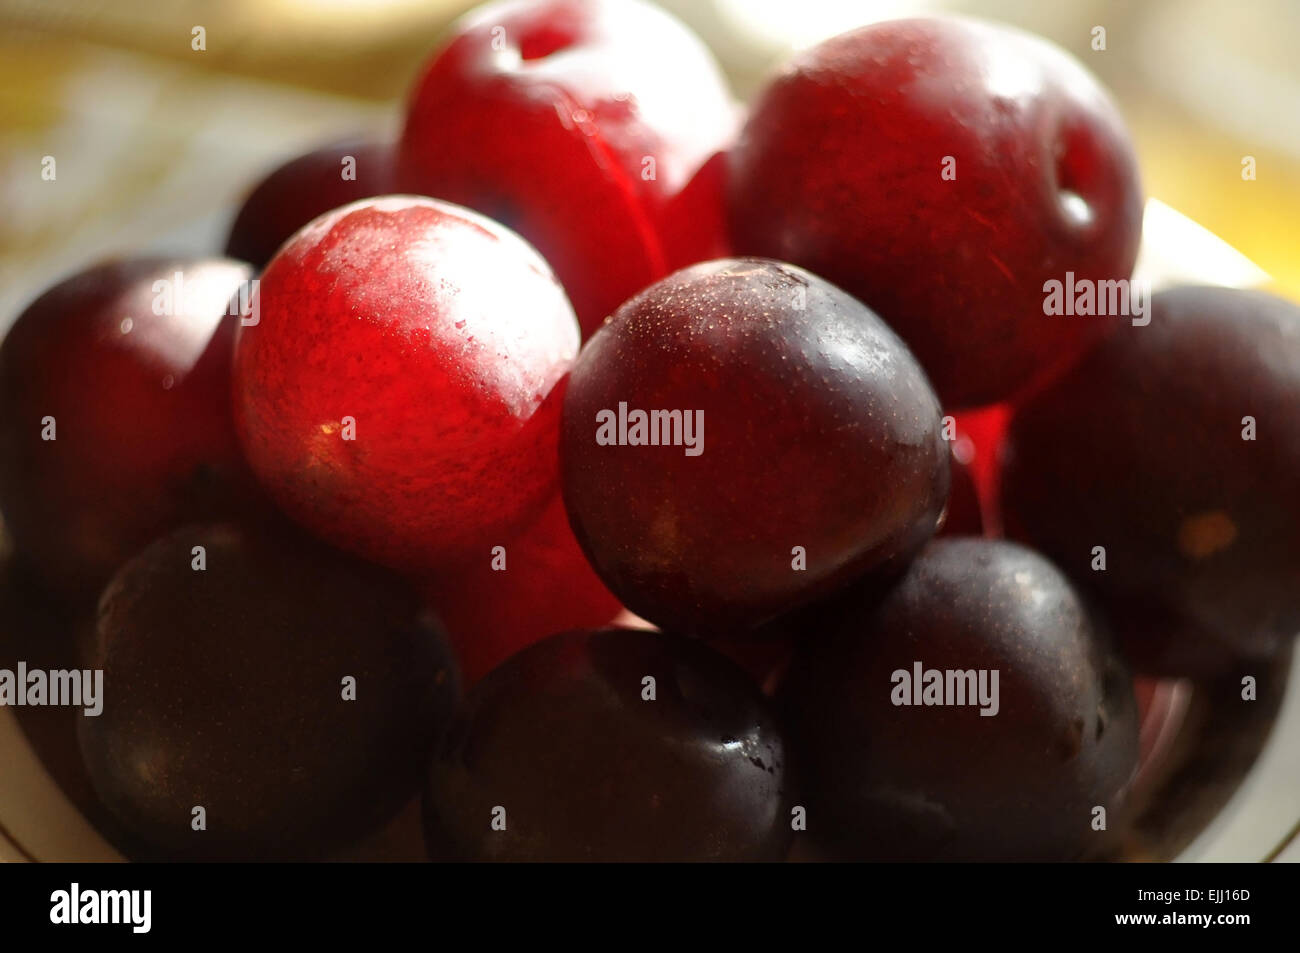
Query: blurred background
point(157, 143)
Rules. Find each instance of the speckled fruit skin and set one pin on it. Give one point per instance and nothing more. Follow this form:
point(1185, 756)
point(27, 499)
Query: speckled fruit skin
point(820, 431)
point(586, 127)
point(443, 335)
point(838, 169)
point(547, 586)
point(306, 186)
point(1140, 449)
point(143, 435)
point(225, 688)
point(587, 769)
point(943, 782)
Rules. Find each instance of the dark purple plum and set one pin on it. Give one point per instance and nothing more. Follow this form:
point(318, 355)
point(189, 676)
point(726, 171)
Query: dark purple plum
point(890, 779)
point(793, 445)
point(227, 688)
point(1175, 448)
point(307, 186)
point(562, 754)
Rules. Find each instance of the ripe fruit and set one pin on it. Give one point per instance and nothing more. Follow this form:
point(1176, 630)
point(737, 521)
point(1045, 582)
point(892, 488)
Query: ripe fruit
point(805, 452)
point(580, 124)
point(615, 745)
point(228, 689)
point(304, 187)
point(763, 655)
point(546, 586)
point(1176, 448)
point(942, 171)
point(891, 776)
point(396, 395)
point(962, 516)
point(112, 427)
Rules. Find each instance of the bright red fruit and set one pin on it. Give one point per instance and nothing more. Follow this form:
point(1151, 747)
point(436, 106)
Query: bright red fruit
point(112, 430)
point(547, 586)
point(943, 171)
point(580, 123)
point(304, 187)
point(398, 393)
point(742, 438)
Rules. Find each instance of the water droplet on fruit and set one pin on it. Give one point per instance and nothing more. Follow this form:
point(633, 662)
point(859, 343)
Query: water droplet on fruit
point(126, 325)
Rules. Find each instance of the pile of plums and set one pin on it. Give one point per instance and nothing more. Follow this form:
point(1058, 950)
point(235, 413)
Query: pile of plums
point(614, 466)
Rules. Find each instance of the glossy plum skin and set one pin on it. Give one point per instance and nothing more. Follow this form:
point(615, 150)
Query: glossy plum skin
point(564, 120)
point(225, 688)
point(443, 336)
point(1140, 449)
point(143, 435)
point(547, 587)
point(943, 782)
point(563, 738)
point(839, 170)
point(304, 187)
point(820, 431)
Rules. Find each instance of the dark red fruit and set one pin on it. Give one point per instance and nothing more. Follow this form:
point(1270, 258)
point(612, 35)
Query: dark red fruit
point(764, 656)
point(820, 432)
point(963, 516)
point(395, 396)
point(307, 186)
point(579, 123)
point(616, 745)
point(927, 782)
point(107, 364)
point(1176, 448)
point(226, 688)
point(841, 169)
point(546, 586)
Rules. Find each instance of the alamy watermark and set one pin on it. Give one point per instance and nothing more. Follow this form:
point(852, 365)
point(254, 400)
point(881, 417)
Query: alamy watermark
point(179, 295)
point(74, 688)
point(1123, 297)
point(133, 908)
point(653, 428)
point(951, 686)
